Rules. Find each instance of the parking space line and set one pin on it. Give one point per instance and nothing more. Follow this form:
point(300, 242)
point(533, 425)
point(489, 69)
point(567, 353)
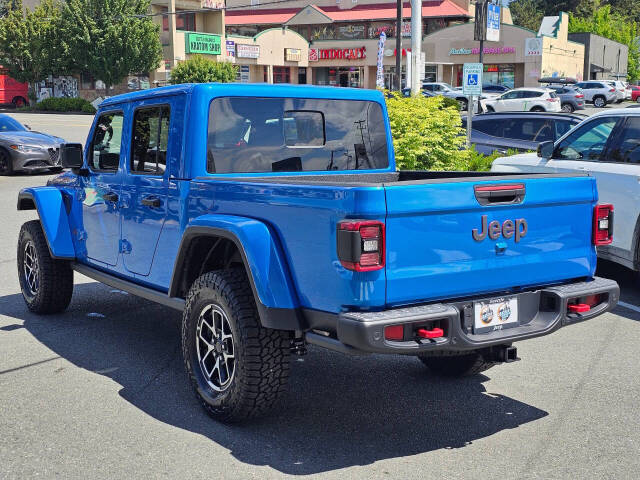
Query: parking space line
point(629, 306)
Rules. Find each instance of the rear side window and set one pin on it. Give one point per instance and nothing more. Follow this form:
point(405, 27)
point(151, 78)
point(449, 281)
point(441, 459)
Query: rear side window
point(532, 130)
point(150, 140)
point(626, 148)
point(106, 142)
point(563, 126)
point(488, 127)
point(258, 135)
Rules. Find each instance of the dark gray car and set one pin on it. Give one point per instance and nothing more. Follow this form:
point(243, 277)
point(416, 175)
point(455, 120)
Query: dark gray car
point(571, 98)
point(521, 131)
point(23, 150)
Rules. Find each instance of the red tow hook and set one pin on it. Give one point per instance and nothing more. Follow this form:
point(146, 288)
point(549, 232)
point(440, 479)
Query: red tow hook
point(579, 308)
point(433, 333)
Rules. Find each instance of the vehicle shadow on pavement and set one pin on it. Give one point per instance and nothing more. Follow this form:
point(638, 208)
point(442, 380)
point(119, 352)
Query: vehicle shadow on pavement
point(338, 412)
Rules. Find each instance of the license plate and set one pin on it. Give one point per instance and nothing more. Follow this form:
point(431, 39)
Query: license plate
point(495, 314)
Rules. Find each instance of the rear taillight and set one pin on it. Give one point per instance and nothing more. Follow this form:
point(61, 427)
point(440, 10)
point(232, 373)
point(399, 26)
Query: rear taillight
point(602, 225)
point(612, 90)
point(361, 245)
point(580, 95)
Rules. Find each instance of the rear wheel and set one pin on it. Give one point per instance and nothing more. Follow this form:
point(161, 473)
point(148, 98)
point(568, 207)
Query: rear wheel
point(6, 164)
point(457, 365)
point(490, 109)
point(599, 102)
point(638, 99)
point(537, 109)
point(464, 104)
point(18, 102)
point(46, 283)
point(238, 369)
point(568, 108)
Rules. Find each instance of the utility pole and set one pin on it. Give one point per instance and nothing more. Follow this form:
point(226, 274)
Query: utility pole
point(416, 45)
point(398, 85)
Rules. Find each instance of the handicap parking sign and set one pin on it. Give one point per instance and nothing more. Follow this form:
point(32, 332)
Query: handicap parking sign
point(472, 79)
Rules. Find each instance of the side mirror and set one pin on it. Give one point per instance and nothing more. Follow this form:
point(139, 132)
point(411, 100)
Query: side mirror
point(545, 149)
point(71, 155)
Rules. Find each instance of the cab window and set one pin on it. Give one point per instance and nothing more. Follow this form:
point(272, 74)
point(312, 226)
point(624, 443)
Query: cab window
point(588, 141)
point(150, 140)
point(106, 142)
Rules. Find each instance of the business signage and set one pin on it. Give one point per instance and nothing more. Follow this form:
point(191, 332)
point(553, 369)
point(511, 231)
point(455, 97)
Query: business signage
point(247, 51)
point(292, 54)
point(351, 31)
point(203, 43)
point(316, 54)
point(212, 4)
point(244, 73)
point(533, 47)
point(472, 79)
point(231, 48)
point(493, 22)
point(487, 51)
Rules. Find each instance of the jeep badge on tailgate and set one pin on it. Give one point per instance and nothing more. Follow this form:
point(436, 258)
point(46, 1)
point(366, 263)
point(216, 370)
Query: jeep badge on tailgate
point(508, 229)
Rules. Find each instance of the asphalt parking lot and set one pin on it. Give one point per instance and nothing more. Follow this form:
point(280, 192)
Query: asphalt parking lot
point(100, 392)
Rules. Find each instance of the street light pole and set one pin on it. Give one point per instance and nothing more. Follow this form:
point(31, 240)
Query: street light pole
point(416, 45)
point(398, 85)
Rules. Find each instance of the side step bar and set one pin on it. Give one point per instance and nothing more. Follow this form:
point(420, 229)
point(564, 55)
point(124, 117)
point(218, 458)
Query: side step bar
point(129, 287)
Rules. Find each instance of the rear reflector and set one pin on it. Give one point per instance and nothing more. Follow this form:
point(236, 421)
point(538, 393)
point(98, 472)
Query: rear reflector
point(361, 245)
point(433, 333)
point(579, 308)
point(394, 332)
point(602, 224)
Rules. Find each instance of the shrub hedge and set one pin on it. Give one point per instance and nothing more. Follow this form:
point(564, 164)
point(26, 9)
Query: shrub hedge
point(65, 105)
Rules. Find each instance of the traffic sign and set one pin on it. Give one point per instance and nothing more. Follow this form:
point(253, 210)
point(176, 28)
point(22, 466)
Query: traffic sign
point(472, 79)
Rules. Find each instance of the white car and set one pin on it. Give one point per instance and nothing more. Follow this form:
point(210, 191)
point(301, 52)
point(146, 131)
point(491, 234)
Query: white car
point(621, 90)
point(607, 146)
point(627, 91)
point(524, 100)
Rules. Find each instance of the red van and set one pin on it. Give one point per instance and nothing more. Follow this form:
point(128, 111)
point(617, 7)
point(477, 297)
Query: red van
point(11, 91)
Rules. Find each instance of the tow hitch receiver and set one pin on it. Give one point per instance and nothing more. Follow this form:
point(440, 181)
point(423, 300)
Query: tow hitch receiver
point(503, 354)
point(579, 308)
point(433, 333)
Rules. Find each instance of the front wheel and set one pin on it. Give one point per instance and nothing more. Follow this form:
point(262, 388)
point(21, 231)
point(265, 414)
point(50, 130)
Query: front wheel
point(6, 164)
point(457, 365)
point(599, 102)
point(238, 369)
point(46, 283)
point(464, 105)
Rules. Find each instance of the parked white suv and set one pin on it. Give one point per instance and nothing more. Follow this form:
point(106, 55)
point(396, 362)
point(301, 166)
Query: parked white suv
point(598, 92)
point(607, 146)
point(621, 90)
point(524, 100)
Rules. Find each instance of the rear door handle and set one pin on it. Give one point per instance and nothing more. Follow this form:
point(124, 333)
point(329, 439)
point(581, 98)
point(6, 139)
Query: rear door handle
point(151, 202)
point(110, 197)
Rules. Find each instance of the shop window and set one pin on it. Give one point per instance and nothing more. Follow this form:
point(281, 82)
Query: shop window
point(281, 75)
point(430, 73)
point(290, 134)
point(184, 21)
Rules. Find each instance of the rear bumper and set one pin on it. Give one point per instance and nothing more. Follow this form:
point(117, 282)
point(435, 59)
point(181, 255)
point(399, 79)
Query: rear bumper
point(541, 312)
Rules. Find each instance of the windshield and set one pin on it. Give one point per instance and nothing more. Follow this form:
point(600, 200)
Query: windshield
point(447, 86)
point(8, 124)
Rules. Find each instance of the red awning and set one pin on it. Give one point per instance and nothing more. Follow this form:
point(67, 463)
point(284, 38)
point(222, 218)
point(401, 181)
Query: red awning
point(387, 11)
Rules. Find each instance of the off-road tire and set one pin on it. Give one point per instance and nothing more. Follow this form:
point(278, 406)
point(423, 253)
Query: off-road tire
point(599, 101)
point(55, 277)
point(457, 365)
point(261, 363)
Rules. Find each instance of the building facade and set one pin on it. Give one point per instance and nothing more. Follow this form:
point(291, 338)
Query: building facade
point(603, 59)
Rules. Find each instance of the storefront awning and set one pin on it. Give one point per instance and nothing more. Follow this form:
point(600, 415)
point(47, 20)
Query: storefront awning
point(361, 13)
point(599, 69)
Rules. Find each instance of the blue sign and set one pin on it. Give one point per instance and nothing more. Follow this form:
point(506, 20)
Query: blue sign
point(493, 22)
point(472, 79)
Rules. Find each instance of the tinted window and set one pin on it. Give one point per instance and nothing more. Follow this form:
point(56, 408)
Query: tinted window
point(510, 95)
point(429, 88)
point(288, 134)
point(489, 127)
point(586, 142)
point(529, 129)
point(150, 140)
point(530, 94)
point(627, 145)
point(105, 146)
point(8, 124)
point(563, 126)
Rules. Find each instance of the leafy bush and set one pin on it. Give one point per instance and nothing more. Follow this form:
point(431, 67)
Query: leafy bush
point(65, 105)
point(199, 69)
point(427, 133)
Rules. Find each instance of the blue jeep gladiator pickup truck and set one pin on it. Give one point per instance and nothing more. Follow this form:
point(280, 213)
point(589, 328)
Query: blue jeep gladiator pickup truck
point(273, 217)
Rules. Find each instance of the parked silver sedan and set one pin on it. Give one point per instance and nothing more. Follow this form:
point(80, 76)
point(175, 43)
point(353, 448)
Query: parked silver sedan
point(24, 150)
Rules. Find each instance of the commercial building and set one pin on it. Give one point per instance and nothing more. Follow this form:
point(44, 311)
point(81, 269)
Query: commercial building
point(519, 59)
point(343, 35)
point(603, 58)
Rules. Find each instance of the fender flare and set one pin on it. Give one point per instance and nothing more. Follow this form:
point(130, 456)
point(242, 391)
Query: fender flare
point(54, 219)
point(263, 260)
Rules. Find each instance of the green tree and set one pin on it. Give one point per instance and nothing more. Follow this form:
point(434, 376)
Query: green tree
point(527, 13)
point(199, 69)
point(29, 41)
point(615, 27)
point(109, 39)
point(8, 5)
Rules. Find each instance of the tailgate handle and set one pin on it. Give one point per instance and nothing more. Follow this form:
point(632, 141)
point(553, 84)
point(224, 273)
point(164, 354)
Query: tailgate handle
point(503, 194)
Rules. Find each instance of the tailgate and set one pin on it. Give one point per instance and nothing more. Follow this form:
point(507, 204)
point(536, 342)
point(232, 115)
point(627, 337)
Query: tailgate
point(432, 253)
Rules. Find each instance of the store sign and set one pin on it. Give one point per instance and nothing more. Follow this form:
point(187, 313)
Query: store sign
point(247, 51)
point(316, 54)
point(213, 4)
point(351, 31)
point(389, 52)
point(244, 73)
point(533, 47)
point(293, 54)
point(493, 22)
point(203, 43)
point(231, 48)
point(487, 51)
